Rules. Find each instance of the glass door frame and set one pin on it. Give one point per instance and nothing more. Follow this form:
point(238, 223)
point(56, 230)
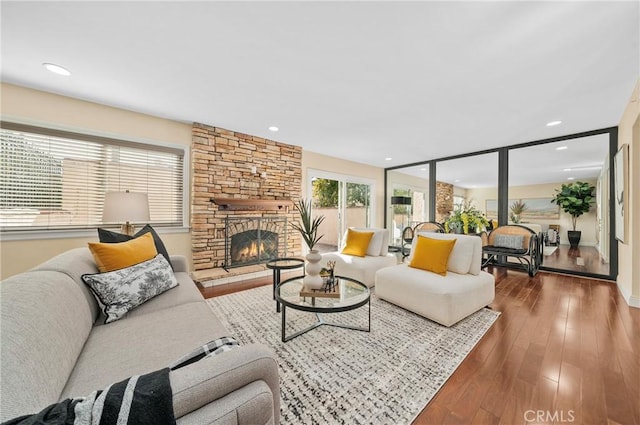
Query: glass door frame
point(343, 180)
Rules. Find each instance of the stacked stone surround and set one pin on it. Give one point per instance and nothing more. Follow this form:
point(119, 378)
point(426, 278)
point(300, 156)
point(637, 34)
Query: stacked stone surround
point(444, 201)
point(221, 163)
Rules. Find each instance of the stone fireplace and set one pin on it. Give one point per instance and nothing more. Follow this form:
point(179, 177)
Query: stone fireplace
point(254, 181)
point(254, 240)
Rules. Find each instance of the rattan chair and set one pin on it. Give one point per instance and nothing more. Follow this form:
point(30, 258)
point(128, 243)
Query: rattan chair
point(504, 242)
point(428, 226)
point(408, 233)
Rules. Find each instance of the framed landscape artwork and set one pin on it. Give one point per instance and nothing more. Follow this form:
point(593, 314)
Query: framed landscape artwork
point(620, 182)
point(535, 209)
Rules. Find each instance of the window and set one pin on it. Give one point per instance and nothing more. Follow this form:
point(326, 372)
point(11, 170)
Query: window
point(458, 200)
point(345, 201)
point(52, 180)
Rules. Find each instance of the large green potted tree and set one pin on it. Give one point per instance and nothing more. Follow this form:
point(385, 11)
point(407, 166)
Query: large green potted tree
point(575, 199)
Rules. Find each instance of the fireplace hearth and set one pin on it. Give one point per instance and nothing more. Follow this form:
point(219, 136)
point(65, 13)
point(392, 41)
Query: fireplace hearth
point(254, 240)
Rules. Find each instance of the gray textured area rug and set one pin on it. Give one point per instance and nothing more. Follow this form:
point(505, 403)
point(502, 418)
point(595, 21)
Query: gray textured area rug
point(334, 375)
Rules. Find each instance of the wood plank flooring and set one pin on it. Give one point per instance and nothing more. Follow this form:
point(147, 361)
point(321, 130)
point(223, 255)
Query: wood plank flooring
point(585, 259)
point(565, 350)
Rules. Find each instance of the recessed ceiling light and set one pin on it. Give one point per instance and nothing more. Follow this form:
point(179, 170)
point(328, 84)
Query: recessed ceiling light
point(423, 169)
point(552, 123)
point(57, 69)
point(273, 128)
point(570, 178)
point(567, 169)
point(388, 159)
point(561, 148)
point(456, 180)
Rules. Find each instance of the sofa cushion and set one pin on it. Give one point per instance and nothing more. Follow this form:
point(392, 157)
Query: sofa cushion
point(44, 323)
point(508, 241)
point(432, 254)
point(141, 344)
point(107, 236)
point(461, 256)
point(114, 256)
point(122, 290)
point(357, 243)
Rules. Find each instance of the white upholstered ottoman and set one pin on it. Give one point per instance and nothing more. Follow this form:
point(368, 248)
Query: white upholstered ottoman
point(443, 299)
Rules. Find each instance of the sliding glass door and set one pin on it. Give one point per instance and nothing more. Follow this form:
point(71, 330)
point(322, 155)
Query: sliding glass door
point(344, 201)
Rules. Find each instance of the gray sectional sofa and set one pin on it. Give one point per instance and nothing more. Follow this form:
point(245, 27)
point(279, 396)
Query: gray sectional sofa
point(54, 346)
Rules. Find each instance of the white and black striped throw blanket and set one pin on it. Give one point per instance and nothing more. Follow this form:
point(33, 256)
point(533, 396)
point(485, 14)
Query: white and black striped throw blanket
point(212, 348)
point(139, 400)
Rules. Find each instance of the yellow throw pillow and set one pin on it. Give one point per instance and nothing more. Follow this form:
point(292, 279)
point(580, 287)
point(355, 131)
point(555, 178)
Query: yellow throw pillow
point(357, 243)
point(115, 256)
point(432, 254)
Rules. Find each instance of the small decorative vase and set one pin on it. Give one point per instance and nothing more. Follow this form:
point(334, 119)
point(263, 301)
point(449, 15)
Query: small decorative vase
point(313, 280)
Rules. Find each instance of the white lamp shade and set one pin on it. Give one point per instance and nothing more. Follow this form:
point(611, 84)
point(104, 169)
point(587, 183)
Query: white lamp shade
point(120, 207)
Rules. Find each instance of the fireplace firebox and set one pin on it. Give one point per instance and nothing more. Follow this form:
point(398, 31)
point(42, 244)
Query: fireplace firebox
point(254, 240)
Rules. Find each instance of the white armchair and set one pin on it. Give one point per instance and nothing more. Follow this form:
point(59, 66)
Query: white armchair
point(363, 269)
point(444, 299)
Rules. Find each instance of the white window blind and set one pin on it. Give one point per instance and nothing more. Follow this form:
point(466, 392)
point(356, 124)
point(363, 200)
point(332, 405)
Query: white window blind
point(51, 179)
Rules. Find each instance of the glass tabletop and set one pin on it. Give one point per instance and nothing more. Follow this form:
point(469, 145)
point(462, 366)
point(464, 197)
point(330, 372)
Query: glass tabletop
point(285, 263)
point(352, 294)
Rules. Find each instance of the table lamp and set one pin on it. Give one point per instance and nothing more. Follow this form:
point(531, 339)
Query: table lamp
point(125, 207)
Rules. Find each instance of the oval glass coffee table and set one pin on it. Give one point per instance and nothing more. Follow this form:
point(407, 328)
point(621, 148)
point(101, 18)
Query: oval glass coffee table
point(348, 295)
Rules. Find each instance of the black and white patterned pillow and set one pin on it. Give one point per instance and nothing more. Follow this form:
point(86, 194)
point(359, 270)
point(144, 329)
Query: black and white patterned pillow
point(120, 291)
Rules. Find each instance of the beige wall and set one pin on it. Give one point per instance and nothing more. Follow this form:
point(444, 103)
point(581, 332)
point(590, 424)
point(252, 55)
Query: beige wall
point(46, 109)
point(629, 252)
point(341, 166)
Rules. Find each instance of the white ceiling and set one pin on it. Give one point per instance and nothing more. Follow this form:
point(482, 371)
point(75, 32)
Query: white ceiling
point(357, 80)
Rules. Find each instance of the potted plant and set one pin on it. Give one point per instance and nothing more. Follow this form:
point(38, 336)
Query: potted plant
point(308, 228)
point(574, 199)
point(517, 208)
point(465, 218)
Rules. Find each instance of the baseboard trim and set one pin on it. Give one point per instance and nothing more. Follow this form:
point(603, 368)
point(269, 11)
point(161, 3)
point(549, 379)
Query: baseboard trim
point(629, 299)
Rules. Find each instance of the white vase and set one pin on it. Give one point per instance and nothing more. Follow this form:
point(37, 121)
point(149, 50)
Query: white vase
point(312, 279)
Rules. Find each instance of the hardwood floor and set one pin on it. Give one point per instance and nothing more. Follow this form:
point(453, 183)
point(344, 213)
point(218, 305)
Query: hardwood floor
point(565, 350)
point(585, 259)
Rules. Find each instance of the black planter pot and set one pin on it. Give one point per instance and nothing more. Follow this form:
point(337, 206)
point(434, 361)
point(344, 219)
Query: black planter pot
point(574, 237)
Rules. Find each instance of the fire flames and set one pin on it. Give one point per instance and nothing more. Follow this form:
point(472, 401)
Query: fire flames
point(249, 252)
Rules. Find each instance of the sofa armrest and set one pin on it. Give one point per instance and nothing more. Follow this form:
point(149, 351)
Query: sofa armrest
point(179, 263)
point(209, 379)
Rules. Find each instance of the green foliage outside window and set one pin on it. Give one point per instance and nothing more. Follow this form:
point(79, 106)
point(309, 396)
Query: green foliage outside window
point(325, 194)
